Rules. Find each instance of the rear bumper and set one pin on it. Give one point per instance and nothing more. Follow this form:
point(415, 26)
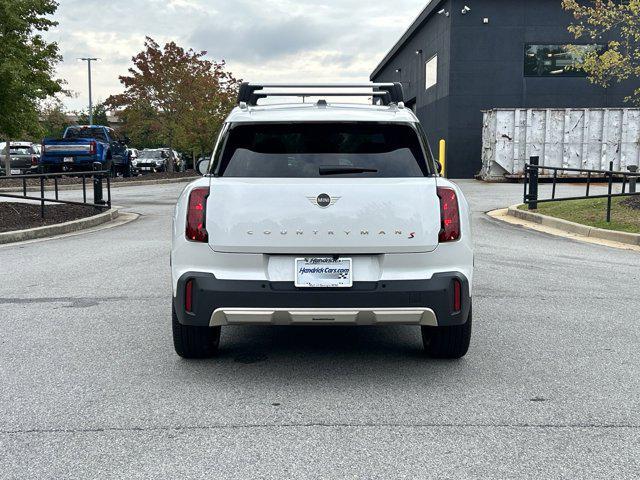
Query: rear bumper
point(148, 166)
point(19, 164)
point(87, 160)
point(22, 167)
point(411, 302)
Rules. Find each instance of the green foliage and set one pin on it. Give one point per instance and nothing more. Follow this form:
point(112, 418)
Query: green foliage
point(141, 123)
point(99, 115)
point(174, 97)
point(599, 19)
point(592, 212)
point(26, 64)
point(53, 120)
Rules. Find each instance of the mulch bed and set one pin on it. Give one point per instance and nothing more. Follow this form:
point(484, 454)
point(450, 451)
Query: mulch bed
point(20, 216)
point(632, 202)
point(34, 182)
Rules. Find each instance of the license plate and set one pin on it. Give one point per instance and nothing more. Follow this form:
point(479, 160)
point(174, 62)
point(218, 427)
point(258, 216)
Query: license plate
point(15, 172)
point(323, 272)
point(67, 159)
point(146, 168)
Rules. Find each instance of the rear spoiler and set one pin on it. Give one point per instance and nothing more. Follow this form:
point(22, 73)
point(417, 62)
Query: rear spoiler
point(386, 93)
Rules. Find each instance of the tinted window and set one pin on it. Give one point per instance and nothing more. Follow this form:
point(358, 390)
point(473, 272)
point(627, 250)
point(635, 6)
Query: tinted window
point(114, 135)
point(155, 154)
point(555, 60)
point(311, 150)
point(19, 150)
point(85, 132)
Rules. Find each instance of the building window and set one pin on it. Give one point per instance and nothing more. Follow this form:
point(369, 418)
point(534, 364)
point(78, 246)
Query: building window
point(431, 69)
point(555, 60)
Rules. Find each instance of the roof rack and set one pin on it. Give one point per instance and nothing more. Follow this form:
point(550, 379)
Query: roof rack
point(388, 93)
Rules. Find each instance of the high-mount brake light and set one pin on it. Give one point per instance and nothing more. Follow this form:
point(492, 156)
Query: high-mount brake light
point(196, 230)
point(449, 215)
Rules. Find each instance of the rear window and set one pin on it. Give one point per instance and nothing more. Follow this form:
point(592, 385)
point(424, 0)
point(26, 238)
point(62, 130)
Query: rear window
point(308, 150)
point(20, 150)
point(85, 132)
point(154, 154)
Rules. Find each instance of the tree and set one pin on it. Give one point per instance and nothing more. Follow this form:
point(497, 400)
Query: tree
point(26, 66)
point(210, 105)
point(99, 115)
point(142, 124)
point(53, 119)
point(175, 96)
point(599, 19)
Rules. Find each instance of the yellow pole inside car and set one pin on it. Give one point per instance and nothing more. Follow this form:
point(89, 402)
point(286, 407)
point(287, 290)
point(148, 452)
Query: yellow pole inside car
point(442, 157)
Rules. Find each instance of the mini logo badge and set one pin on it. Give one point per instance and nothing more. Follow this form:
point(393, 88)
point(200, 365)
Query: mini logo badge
point(323, 200)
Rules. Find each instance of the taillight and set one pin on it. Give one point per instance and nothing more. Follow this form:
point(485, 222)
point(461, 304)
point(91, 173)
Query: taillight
point(457, 295)
point(188, 296)
point(92, 148)
point(196, 230)
point(34, 160)
point(449, 215)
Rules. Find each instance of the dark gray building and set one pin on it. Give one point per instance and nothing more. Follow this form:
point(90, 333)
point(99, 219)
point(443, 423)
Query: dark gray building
point(497, 54)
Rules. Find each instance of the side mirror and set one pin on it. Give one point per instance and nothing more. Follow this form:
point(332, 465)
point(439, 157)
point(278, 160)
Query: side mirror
point(202, 167)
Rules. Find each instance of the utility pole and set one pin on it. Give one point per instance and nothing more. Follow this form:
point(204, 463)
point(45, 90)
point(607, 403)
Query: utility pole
point(89, 60)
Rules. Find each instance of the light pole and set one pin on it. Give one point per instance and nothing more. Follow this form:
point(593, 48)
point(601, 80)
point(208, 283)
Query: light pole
point(89, 60)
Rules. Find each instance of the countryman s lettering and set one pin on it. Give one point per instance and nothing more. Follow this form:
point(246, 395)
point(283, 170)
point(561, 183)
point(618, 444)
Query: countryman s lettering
point(322, 214)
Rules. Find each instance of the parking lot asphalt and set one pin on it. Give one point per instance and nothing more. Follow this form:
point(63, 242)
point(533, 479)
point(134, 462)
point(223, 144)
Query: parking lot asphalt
point(90, 386)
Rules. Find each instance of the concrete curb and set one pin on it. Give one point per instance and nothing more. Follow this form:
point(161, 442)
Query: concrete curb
point(575, 228)
point(59, 228)
point(62, 188)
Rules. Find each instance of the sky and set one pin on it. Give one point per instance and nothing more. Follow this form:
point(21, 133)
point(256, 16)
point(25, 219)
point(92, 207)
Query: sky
point(261, 40)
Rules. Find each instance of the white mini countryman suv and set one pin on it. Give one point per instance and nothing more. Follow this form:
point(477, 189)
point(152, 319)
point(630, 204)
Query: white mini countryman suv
point(322, 214)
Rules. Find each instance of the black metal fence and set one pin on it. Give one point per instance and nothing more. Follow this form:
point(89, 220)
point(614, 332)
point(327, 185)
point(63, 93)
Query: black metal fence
point(532, 175)
point(96, 176)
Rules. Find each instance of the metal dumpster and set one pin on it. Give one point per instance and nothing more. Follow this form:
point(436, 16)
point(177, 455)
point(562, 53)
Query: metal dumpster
point(573, 137)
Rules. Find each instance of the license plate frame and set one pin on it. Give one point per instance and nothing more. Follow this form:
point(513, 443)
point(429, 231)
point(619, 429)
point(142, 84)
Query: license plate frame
point(322, 278)
point(15, 171)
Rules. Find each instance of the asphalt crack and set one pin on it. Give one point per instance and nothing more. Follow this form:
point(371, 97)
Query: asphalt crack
point(319, 425)
point(71, 302)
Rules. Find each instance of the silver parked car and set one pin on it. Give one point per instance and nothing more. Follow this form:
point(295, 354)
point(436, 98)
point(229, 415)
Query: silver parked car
point(156, 160)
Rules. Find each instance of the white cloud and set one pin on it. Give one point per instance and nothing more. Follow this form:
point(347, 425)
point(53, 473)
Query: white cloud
point(275, 40)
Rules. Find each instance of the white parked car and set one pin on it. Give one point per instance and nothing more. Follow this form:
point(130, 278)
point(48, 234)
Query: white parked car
point(133, 153)
point(322, 214)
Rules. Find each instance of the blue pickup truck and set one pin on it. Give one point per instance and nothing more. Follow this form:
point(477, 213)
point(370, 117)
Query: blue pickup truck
point(81, 146)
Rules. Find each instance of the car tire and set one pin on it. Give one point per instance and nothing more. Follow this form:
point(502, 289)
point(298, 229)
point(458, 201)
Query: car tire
point(194, 342)
point(448, 342)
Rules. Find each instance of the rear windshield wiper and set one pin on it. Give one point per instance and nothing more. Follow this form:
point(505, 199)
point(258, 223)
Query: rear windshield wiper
point(338, 169)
